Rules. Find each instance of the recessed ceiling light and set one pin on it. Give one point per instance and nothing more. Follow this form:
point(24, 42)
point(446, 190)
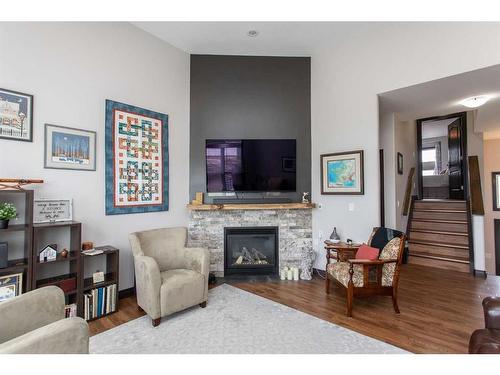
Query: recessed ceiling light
point(252, 33)
point(475, 101)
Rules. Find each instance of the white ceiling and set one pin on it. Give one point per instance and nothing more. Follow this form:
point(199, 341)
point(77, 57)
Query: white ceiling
point(274, 39)
point(442, 97)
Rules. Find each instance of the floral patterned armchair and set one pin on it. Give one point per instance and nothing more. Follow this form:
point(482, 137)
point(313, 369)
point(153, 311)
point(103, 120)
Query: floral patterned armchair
point(370, 277)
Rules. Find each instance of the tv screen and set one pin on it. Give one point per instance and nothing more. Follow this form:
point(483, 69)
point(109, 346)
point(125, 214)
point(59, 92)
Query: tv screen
point(251, 165)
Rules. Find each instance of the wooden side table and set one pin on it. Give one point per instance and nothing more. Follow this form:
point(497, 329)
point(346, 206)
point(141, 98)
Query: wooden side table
point(340, 251)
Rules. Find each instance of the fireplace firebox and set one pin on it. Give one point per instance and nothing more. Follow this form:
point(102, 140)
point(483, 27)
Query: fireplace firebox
point(251, 251)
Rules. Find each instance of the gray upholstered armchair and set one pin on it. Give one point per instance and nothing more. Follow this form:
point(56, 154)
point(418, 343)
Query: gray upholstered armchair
point(34, 323)
point(169, 276)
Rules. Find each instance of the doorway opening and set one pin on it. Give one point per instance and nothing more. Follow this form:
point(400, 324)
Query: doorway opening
point(442, 157)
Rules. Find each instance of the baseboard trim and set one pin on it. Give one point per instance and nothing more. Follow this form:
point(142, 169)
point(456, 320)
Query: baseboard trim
point(479, 273)
point(126, 293)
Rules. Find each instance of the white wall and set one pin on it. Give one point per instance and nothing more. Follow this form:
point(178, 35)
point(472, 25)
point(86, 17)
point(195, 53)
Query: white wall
point(345, 82)
point(71, 69)
point(386, 136)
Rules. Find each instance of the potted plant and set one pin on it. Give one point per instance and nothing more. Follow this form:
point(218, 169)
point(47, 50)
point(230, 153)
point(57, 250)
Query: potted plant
point(7, 212)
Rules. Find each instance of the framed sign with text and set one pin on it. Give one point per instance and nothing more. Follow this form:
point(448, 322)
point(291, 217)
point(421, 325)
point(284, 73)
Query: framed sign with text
point(52, 210)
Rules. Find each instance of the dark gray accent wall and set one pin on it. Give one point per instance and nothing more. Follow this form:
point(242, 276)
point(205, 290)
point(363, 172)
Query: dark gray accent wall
point(249, 97)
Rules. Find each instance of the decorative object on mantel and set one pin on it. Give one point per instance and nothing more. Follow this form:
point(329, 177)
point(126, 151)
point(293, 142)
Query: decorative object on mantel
point(342, 173)
point(198, 199)
point(69, 148)
point(16, 115)
point(305, 197)
point(334, 237)
point(7, 211)
point(16, 183)
point(136, 159)
point(52, 210)
point(48, 254)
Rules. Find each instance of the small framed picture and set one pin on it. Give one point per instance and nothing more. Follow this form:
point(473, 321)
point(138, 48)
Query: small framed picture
point(70, 148)
point(495, 179)
point(400, 163)
point(342, 173)
point(11, 286)
point(16, 115)
point(52, 210)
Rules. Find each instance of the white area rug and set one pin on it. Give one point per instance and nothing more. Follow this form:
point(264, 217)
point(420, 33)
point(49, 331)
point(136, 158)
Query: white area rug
point(236, 321)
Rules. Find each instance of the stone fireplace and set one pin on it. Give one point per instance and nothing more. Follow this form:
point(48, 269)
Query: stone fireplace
point(208, 225)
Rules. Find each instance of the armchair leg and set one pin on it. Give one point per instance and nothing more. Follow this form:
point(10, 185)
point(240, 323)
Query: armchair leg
point(156, 322)
point(327, 285)
point(203, 304)
point(350, 298)
point(395, 301)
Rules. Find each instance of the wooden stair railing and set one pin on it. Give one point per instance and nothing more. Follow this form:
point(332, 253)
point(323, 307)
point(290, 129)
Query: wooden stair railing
point(476, 192)
point(409, 185)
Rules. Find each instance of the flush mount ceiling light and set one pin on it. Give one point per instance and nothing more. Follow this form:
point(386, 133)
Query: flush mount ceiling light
point(475, 101)
point(252, 33)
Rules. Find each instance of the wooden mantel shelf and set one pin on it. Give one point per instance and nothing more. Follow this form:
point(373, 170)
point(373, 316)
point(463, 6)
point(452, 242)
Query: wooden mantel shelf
point(252, 206)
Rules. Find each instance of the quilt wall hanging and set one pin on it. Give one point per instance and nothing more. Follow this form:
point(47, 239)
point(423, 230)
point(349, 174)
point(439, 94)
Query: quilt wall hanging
point(136, 159)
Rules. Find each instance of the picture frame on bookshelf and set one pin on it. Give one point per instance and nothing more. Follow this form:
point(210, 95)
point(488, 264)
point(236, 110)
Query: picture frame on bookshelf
point(52, 210)
point(11, 286)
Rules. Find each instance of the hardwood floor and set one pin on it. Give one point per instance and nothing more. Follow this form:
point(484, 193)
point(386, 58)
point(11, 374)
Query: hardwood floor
point(439, 308)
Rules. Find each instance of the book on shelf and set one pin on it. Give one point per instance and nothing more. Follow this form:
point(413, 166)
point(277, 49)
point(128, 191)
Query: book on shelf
point(100, 301)
point(70, 310)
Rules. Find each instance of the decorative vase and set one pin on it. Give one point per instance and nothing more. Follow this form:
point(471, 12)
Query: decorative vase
point(4, 224)
point(334, 237)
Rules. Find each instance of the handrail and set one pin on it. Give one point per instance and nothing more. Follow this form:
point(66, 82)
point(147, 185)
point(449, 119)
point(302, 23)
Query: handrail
point(409, 183)
point(476, 193)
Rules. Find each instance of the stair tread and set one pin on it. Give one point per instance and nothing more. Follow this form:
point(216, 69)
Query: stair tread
point(444, 221)
point(446, 232)
point(423, 252)
point(448, 211)
point(423, 255)
point(437, 243)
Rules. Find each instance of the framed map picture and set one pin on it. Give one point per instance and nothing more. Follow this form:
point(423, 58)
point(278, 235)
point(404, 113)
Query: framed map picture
point(136, 159)
point(342, 173)
point(69, 148)
point(16, 115)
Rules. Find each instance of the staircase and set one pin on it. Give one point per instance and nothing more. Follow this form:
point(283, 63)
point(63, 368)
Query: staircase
point(439, 234)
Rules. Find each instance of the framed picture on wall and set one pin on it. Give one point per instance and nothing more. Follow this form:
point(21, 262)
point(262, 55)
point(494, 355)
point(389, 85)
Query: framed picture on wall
point(342, 173)
point(136, 159)
point(495, 179)
point(400, 163)
point(16, 115)
point(69, 148)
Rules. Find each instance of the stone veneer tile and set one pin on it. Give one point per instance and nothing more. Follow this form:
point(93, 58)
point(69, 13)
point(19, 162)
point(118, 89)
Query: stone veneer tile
point(206, 229)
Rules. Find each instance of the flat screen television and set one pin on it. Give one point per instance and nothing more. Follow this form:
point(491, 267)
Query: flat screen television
point(251, 165)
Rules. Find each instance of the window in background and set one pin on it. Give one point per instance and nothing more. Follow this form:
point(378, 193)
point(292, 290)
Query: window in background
point(428, 161)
